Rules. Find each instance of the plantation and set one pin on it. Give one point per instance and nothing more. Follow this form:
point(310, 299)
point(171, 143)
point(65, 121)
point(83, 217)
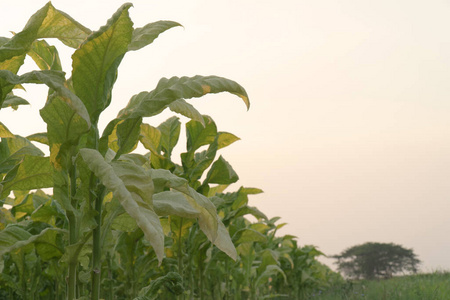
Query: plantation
point(433, 286)
point(121, 224)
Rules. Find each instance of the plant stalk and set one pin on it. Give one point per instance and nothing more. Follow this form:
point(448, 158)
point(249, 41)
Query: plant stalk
point(73, 237)
point(96, 246)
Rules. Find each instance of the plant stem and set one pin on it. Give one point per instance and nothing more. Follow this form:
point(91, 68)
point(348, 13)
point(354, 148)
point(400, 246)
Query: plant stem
point(96, 246)
point(73, 237)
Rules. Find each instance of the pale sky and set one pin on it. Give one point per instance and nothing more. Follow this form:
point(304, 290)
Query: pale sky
point(348, 129)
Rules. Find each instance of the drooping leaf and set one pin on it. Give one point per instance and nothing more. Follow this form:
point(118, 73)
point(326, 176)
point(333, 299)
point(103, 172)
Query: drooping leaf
point(54, 80)
point(134, 189)
point(15, 236)
point(146, 35)
point(96, 61)
point(34, 172)
point(13, 101)
point(147, 104)
point(183, 108)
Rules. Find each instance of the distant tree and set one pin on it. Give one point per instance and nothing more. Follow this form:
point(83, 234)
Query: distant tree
point(376, 260)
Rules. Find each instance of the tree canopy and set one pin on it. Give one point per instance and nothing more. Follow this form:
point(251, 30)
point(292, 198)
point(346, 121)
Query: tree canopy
point(376, 260)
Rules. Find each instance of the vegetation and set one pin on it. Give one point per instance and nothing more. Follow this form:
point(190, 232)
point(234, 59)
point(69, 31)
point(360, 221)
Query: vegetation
point(376, 260)
point(434, 286)
point(119, 224)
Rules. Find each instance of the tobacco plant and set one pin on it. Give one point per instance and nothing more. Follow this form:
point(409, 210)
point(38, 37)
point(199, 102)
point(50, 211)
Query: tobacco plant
point(102, 192)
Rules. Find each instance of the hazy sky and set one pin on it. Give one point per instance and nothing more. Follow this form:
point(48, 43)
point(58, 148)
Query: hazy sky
point(348, 130)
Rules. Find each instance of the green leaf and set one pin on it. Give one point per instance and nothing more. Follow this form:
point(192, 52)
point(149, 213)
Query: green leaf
point(40, 137)
point(225, 139)
point(53, 79)
point(147, 104)
point(45, 56)
point(4, 132)
point(121, 136)
point(221, 172)
point(172, 281)
point(45, 23)
point(33, 173)
point(270, 271)
point(164, 179)
point(58, 24)
point(146, 35)
point(174, 203)
point(14, 237)
point(13, 150)
point(248, 235)
point(150, 137)
point(95, 63)
point(13, 64)
point(170, 132)
point(14, 101)
point(223, 241)
point(182, 107)
point(134, 189)
point(199, 135)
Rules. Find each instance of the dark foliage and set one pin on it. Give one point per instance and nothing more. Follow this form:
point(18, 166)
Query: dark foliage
point(376, 260)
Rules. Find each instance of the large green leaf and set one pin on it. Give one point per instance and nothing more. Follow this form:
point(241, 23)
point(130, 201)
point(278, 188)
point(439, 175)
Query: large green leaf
point(147, 104)
point(47, 22)
point(146, 35)
point(134, 189)
point(34, 172)
point(95, 63)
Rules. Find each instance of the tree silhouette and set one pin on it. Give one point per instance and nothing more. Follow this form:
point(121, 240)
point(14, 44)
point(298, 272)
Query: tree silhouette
point(376, 260)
